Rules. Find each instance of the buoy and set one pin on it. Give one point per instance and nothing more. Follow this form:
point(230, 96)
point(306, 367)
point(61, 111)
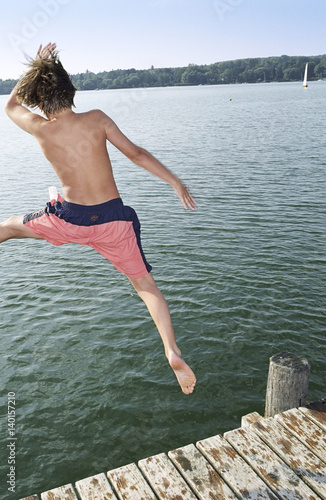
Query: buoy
point(230, 99)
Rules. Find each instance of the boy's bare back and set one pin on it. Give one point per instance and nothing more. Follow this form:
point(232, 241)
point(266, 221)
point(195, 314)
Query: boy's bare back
point(75, 145)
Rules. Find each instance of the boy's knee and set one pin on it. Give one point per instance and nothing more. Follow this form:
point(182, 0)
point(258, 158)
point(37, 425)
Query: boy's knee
point(12, 227)
point(12, 221)
point(143, 283)
point(146, 287)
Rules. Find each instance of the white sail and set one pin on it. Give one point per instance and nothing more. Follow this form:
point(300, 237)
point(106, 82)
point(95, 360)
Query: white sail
point(305, 76)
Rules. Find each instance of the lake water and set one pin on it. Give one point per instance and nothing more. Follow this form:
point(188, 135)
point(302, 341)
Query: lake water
point(244, 276)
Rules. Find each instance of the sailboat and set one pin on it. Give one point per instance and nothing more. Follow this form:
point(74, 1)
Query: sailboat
point(305, 76)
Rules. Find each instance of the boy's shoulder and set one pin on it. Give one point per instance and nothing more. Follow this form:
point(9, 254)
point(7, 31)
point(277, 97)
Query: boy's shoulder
point(97, 115)
point(95, 112)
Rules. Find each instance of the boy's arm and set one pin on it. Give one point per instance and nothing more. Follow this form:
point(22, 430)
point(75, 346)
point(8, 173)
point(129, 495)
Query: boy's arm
point(147, 161)
point(22, 116)
point(18, 113)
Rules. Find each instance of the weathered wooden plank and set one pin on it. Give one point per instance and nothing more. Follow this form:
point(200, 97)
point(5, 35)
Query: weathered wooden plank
point(312, 436)
point(95, 488)
point(65, 492)
point(165, 479)
point(234, 470)
point(319, 417)
point(269, 466)
point(200, 475)
point(32, 497)
point(129, 484)
point(304, 463)
point(249, 419)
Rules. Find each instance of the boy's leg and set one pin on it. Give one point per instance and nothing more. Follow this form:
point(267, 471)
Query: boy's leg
point(158, 308)
point(14, 228)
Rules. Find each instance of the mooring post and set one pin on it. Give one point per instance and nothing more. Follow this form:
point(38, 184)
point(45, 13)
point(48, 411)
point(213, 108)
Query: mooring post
point(287, 384)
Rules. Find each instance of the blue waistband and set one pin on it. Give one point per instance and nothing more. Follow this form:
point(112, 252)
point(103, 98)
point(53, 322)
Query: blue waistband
point(74, 207)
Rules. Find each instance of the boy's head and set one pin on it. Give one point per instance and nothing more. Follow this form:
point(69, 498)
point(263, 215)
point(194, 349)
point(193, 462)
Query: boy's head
point(46, 85)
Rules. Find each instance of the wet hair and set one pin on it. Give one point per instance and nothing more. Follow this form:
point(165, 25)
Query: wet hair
point(46, 85)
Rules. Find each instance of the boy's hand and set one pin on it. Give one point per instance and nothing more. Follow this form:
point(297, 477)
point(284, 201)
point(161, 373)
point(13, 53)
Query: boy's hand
point(46, 52)
point(186, 198)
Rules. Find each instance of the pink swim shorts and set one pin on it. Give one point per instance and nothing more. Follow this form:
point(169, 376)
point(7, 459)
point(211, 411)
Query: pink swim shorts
point(111, 228)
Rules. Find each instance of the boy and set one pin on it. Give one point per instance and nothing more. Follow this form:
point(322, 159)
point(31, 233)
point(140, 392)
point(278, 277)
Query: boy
point(91, 211)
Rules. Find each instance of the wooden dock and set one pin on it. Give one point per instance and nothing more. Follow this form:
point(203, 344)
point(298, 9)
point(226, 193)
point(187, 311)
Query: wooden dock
point(283, 457)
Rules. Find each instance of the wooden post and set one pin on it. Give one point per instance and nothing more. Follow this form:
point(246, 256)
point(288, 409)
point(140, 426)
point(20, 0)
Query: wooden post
point(287, 384)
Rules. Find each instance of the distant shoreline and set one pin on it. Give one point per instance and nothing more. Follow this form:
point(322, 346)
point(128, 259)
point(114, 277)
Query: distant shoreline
point(251, 70)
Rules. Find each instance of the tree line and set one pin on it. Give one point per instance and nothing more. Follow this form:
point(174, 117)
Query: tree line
point(251, 70)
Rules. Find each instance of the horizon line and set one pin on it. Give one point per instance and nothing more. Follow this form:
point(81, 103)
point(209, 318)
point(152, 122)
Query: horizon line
point(178, 67)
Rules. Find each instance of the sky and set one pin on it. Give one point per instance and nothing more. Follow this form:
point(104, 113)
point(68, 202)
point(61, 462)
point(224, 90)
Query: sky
point(100, 35)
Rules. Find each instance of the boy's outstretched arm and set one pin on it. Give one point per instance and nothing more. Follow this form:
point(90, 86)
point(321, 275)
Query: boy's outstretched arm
point(146, 160)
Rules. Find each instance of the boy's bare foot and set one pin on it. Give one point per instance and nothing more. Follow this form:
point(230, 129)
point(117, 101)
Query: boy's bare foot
point(183, 372)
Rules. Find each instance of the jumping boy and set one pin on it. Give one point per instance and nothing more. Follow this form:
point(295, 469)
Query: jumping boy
point(91, 211)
